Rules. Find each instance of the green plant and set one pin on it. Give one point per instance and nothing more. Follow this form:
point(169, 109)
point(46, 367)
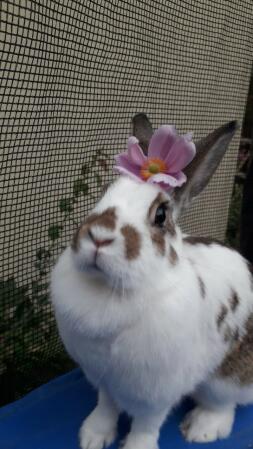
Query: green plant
point(27, 329)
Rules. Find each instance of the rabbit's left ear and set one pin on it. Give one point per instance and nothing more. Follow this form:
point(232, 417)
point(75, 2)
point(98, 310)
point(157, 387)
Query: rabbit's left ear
point(142, 129)
point(209, 153)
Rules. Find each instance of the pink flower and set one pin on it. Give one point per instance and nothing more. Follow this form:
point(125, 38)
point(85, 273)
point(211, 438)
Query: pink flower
point(168, 154)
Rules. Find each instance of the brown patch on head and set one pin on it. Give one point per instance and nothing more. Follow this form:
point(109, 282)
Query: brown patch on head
point(238, 364)
point(106, 219)
point(234, 301)
point(192, 240)
point(159, 241)
point(202, 287)
point(221, 316)
point(132, 242)
point(173, 257)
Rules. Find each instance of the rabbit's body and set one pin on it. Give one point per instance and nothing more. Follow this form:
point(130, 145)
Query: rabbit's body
point(151, 316)
point(142, 348)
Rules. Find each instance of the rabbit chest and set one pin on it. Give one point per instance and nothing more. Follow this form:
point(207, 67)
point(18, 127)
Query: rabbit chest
point(142, 367)
point(140, 349)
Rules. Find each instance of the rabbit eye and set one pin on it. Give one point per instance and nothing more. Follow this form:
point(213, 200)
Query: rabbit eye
point(160, 215)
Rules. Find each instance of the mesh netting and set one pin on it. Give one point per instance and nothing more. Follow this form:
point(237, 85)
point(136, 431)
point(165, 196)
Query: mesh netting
point(73, 73)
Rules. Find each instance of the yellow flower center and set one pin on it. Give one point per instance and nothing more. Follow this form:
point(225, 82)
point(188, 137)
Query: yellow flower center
point(152, 167)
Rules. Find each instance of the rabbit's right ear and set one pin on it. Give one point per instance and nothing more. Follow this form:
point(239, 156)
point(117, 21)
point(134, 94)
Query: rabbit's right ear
point(209, 153)
point(142, 129)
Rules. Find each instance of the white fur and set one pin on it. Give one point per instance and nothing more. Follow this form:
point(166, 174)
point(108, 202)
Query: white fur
point(203, 425)
point(140, 329)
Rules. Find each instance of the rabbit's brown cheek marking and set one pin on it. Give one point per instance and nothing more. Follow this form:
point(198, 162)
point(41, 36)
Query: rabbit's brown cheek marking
point(173, 257)
point(132, 242)
point(234, 301)
point(221, 316)
point(202, 287)
point(239, 362)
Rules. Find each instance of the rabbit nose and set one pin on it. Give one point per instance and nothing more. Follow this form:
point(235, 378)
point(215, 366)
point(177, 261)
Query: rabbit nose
point(98, 242)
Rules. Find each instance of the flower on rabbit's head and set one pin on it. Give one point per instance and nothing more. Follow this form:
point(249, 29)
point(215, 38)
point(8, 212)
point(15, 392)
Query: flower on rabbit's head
point(168, 154)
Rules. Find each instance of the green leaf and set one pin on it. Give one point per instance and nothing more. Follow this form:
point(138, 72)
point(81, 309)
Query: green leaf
point(10, 292)
point(54, 231)
point(22, 308)
point(38, 287)
point(43, 298)
point(43, 254)
point(66, 205)
point(80, 187)
point(41, 269)
point(84, 169)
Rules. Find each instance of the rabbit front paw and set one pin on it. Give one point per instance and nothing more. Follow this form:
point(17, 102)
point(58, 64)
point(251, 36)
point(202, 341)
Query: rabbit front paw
point(97, 432)
point(140, 441)
point(203, 425)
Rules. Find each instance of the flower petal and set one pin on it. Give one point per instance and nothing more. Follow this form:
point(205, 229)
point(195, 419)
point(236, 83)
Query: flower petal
point(124, 171)
point(181, 153)
point(171, 180)
point(135, 152)
point(125, 166)
point(161, 141)
point(123, 159)
point(180, 177)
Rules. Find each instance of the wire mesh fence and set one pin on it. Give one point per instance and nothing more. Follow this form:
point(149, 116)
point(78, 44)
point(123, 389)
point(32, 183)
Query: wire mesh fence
point(73, 73)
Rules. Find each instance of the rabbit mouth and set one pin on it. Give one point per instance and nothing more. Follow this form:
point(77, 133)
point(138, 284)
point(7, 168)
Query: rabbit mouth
point(94, 266)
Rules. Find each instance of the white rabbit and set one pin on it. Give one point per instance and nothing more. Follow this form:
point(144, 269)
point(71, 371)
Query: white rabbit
point(152, 315)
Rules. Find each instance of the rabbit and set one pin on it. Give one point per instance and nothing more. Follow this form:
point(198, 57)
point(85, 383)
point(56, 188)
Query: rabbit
point(156, 315)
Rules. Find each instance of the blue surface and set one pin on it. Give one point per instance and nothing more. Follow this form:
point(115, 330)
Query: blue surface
point(50, 417)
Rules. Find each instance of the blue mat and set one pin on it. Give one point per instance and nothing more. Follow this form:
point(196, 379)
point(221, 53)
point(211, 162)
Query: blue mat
point(50, 417)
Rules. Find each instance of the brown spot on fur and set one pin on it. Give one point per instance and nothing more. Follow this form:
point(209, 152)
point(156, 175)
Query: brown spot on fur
point(236, 335)
point(106, 219)
point(192, 240)
point(202, 287)
point(234, 301)
point(173, 257)
point(159, 241)
point(238, 364)
point(228, 334)
point(132, 241)
point(222, 315)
